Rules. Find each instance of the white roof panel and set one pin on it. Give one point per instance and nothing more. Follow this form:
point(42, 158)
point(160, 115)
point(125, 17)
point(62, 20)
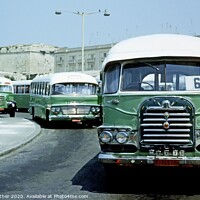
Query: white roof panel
point(157, 45)
point(66, 77)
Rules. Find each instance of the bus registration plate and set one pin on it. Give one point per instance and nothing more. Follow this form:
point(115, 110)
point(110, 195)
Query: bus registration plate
point(166, 163)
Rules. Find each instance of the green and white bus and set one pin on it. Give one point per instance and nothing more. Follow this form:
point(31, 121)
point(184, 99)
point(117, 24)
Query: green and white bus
point(151, 102)
point(22, 94)
point(7, 102)
point(65, 96)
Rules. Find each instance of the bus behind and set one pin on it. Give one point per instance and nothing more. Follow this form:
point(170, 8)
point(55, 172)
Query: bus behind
point(65, 96)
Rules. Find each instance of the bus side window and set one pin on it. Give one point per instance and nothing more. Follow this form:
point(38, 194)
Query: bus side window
point(27, 87)
point(37, 88)
point(48, 89)
point(16, 89)
point(43, 88)
point(22, 89)
point(32, 88)
point(112, 79)
point(40, 88)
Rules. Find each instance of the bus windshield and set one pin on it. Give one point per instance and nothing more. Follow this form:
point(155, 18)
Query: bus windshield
point(74, 89)
point(5, 88)
point(154, 76)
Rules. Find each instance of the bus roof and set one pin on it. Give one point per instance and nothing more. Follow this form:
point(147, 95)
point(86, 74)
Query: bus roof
point(22, 82)
point(4, 80)
point(156, 45)
point(66, 77)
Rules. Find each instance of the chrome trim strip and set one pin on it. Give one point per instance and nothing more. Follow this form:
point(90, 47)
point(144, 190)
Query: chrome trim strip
point(134, 160)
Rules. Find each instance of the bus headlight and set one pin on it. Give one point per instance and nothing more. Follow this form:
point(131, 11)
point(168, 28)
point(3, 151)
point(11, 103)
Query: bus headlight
point(56, 110)
point(121, 137)
point(106, 137)
point(95, 109)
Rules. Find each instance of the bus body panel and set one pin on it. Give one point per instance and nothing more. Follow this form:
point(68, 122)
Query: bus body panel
point(70, 97)
point(127, 110)
point(22, 94)
point(150, 102)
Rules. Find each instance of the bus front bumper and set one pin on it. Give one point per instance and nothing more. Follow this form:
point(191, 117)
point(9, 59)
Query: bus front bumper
point(130, 160)
point(77, 118)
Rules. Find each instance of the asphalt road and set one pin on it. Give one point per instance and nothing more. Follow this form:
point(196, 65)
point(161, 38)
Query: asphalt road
point(61, 163)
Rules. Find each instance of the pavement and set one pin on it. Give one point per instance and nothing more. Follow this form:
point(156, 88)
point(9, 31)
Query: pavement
point(16, 132)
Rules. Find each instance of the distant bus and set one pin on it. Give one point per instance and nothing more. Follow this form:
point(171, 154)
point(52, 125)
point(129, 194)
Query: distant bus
point(22, 94)
point(65, 96)
point(7, 102)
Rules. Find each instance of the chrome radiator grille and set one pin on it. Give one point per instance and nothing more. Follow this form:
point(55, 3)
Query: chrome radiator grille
point(166, 121)
point(76, 110)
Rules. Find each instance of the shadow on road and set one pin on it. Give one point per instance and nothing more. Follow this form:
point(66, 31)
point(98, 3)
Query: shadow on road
point(149, 181)
point(61, 124)
point(91, 176)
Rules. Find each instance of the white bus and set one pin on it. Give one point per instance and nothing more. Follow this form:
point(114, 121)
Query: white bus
point(66, 96)
point(22, 94)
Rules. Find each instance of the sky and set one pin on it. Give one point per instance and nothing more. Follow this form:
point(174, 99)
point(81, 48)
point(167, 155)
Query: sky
point(25, 22)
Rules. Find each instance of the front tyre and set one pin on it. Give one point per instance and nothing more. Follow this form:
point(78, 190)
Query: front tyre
point(33, 113)
point(47, 122)
point(11, 108)
point(12, 113)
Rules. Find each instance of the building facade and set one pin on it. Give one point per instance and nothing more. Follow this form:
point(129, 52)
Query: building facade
point(27, 60)
point(70, 59)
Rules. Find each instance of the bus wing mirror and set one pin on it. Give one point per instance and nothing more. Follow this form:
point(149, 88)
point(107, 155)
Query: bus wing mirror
point(100, 76)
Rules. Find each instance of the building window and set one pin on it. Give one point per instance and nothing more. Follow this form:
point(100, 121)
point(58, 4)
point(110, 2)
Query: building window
point(72, 59)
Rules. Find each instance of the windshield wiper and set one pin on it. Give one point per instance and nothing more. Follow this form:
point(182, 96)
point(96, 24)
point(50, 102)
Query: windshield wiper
point(150, 65)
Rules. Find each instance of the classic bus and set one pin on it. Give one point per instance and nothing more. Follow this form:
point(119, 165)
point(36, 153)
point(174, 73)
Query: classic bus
point(7, 102)
point(22, 94)
point(151, 102)
point(66, 96)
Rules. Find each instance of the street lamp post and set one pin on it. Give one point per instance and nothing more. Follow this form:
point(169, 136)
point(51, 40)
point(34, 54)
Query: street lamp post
point(82, 14)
